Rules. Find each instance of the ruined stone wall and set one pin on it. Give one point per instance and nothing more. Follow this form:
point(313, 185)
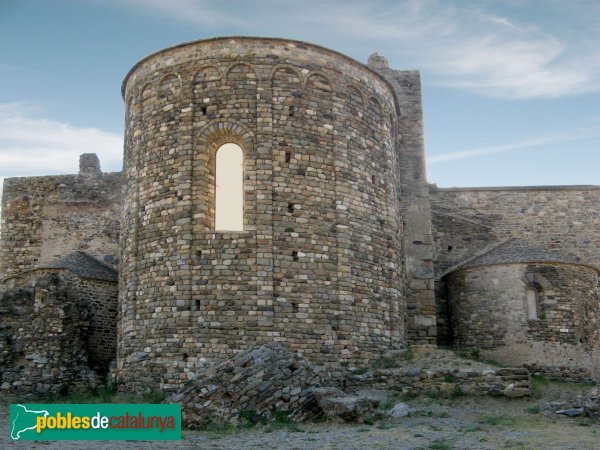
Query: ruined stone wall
point(466, 220)
point(44, 218)
point(98, 298)
point(43, 336)
point(488, 313)
point(319, 262)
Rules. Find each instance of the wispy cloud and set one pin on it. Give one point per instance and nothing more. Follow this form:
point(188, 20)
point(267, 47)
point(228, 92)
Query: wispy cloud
point(454, 43)
point(574, 135)
point(31, 145)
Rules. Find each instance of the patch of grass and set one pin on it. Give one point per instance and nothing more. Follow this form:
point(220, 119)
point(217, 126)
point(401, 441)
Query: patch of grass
point(217, 431)
point(250, 418)
point(449, 379)
point(101, 394)
point(361, 371)
point(540, 384)
point(320, 419)
point(533, 410)
point(501, 420)
point(154, 396)
point(441, 444)
point(436, 395)
point(521, 422)
point(410, 395)
point(475, 355)
point(369, 421)
point(279, 420)
point(585, 422)
point(471, 429)
point(388, 404)
point(282, 417)
point(290, 426)
point(408, 355)
point(457, 392)
point(493, 363)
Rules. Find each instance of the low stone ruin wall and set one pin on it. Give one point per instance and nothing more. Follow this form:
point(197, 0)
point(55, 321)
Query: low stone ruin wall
point(268, 380)
point(562, 373)
point(507, 382)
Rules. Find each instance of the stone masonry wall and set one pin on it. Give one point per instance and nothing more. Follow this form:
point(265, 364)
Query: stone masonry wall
point(102, 298)
point(416, 238)
point(318, 265)
point(488, 313)
point(466, 220)
point(45, 218)
point(555, 217)
point(99, 300)
point(43, 333)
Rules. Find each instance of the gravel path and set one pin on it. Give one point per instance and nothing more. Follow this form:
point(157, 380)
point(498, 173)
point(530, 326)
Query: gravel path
point(459, 423)
point(463, 423)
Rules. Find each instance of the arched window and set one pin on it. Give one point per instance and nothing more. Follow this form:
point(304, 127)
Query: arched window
point(532, 304)
point(229, 189)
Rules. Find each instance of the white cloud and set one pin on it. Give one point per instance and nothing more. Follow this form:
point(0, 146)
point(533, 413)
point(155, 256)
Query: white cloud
point(32, 145)
point(454, 43)
point(574, 135)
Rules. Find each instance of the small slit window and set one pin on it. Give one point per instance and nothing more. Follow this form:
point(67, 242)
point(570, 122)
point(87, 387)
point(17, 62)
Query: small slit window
point(532, 304)
point(229, 188)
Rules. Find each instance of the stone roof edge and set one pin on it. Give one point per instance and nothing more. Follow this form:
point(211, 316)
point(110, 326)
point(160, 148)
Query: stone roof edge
point(257, 38)
point(47, 267)
point(482, 252)
point(442, 212)
point(462, 265)
point(90, 257)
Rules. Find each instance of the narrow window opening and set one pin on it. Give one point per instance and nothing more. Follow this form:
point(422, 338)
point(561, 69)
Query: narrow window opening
point(532, 304)
point(290, 207)
point(229, 192)
point(449, 248)
point(288, 157)
point(203, 110)
point(295, 255)
point(197, 304)
point(292, 110)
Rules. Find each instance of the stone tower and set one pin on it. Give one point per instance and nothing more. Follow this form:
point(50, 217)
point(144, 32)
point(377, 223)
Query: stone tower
point(319, 264)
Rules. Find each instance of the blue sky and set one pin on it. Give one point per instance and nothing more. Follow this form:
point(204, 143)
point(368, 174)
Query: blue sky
point(511, 88)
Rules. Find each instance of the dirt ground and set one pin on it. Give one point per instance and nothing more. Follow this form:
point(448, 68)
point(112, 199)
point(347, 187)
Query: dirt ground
point(457, 423)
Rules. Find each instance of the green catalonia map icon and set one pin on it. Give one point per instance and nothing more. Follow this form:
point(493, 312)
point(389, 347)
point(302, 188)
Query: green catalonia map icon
point(23, 419)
